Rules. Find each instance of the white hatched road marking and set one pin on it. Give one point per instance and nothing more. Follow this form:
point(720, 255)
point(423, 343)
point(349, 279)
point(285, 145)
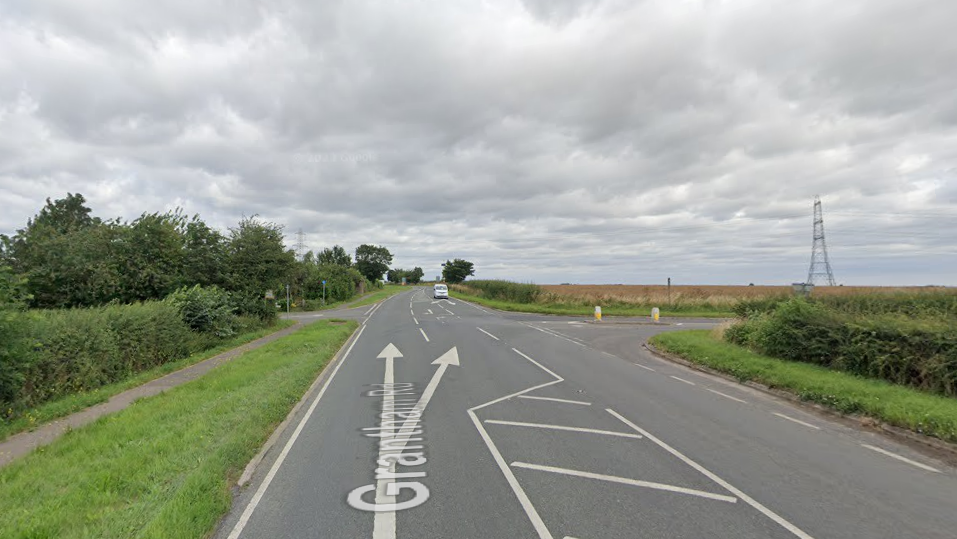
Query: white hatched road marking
point(626, 481)
point(554, 400)
point(798, 532)
point(562, 427)
point(489, 334)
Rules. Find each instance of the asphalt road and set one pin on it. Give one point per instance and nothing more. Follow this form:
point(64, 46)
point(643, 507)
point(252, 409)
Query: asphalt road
point(530, 426)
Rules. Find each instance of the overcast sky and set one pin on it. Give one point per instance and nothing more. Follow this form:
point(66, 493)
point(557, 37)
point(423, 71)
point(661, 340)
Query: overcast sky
point(547, 141)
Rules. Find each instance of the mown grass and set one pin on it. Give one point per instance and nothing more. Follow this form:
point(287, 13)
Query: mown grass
point(387, 291)
point(69, 404)
point(162, 467)
point(586, 310)
point(895, 405)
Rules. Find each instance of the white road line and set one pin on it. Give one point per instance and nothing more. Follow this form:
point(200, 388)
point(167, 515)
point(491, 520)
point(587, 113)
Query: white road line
point(554, 400)
point(561, 427)
point(428, 311)
point(370, 310)
point(607, 354)
point(553, 334)
point(448, 311)
point(530, 511)
point(689, 382)
point(731, 488)
point(244, 518)
point(539, 365)
point(424, 335)
point(798, 421)
point(902, 459)
point(489, 334)
point(646, 368)
point(626, 481)
point(727, 396)
point(416, 320)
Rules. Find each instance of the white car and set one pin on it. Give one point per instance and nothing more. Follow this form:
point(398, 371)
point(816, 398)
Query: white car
point(440, 291)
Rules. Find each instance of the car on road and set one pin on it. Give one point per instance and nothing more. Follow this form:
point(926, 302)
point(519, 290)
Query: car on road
point(440, 291)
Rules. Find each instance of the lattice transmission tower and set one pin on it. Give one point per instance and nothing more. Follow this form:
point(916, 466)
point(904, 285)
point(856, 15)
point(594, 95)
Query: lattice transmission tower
point(820, 269)
point(300, 244)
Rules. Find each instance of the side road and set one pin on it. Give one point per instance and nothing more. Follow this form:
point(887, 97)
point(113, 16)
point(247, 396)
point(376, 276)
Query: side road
point(20, 444)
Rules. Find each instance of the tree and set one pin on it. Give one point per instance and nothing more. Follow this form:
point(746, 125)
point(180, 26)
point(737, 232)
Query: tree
point(152, 252)
point(337, 256)
point(415, 276)
point(257, 258)
point(372, 261)
point(205, 255)
point(457, 270)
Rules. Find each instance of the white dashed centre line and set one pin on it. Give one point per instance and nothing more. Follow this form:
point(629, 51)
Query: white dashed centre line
point(727, 396)
point(798, 421)
point(424, 335)
point(489, 334)
point(689, 382)
point(646, 368)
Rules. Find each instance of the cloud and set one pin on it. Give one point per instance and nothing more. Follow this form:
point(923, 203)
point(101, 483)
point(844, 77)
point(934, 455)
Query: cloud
point(547, 141)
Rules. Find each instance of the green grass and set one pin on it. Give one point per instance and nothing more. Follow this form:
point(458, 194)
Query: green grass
point(586, 310)
point(163, 467)
point(73, 403)
point(895, 405)
point(387, 291)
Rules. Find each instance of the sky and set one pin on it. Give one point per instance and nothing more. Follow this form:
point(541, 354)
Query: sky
point(546, 141)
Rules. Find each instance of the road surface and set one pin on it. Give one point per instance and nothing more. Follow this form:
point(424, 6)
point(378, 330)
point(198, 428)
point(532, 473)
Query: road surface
point(445, 420)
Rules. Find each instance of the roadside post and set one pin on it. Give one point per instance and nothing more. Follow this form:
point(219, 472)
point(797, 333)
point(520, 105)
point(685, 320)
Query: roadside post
point(323, 292)
point(654, 314)
point(597, 313)
point(287, 299)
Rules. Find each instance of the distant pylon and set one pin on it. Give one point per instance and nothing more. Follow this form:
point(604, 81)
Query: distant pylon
point(300, 244)
point(820, 264)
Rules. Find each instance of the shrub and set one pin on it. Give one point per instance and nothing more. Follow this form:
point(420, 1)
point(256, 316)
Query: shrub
point(506, 290)
point(206, 310)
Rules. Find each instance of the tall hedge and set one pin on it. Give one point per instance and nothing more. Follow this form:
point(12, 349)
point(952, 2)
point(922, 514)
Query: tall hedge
point(873, 338)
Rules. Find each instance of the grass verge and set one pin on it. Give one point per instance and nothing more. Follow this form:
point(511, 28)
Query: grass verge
point(900, 406)
point(387, 291)
point(74, 403)
point(162, 467)
point(585, 310)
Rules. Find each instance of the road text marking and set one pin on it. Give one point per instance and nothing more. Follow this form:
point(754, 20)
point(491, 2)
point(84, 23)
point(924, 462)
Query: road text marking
point(489, 334)
point(626, 481)
point(731, 488)
point(561, 427)
point(426, 337)
point(902, 459)
point(798, 421)
point(554, 400)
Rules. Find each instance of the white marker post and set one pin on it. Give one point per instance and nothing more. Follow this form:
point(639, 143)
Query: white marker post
point(597, 313)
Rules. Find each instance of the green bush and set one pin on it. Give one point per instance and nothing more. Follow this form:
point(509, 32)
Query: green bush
point(206, 310)
point(842, 335)
point(255, 306)
point(506, 290)
point(13, 331)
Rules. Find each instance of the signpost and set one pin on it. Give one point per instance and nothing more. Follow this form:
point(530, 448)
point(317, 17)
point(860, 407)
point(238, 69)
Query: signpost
point(287, 299)
point(323, 292)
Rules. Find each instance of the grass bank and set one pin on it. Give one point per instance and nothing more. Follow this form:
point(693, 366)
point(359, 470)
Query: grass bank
point(162, 467)
point(896, 405)
point(545, 307)
point(369, 298)
point(69, 404)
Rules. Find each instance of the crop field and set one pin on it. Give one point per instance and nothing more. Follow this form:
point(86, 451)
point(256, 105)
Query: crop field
point(713, 295)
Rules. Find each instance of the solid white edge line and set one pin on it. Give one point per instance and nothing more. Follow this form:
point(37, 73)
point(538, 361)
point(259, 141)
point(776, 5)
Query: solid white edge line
point(727, 396)
point(689, 382)
point(561, 427)
point(489, 334)
point(530, 511)
point(247, 513)
point(645, 367)
point(424, 335)
point(627, 481)
point(798, 421)
point(704, 471)
point(902, 459)
point(583, 403)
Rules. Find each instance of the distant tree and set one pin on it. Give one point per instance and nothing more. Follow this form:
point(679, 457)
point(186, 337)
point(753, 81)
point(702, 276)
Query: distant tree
point(457, 270)
point(205, 255)
point(151, 249)
point(337, 256)
point(415, 276)
point(372, 261)
point(257, 258)
point(395, 275)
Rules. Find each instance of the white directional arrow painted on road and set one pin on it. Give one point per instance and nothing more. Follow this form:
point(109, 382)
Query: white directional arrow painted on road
point(445, 300)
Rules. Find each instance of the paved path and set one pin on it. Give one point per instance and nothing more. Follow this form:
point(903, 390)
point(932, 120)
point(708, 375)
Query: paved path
point(444, 419)
point(25, 442)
